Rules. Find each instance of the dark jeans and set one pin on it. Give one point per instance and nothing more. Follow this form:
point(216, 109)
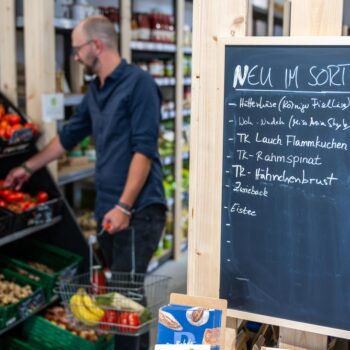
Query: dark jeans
point(148, 225)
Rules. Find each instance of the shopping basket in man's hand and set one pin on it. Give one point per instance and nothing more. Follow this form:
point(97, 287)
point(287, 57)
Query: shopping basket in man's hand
point(128, 303)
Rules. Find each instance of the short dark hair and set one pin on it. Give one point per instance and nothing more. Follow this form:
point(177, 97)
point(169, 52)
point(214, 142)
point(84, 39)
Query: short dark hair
point(100, 27)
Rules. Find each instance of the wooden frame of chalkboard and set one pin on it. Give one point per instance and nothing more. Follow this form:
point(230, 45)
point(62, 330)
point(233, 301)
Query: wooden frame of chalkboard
point(283, 185)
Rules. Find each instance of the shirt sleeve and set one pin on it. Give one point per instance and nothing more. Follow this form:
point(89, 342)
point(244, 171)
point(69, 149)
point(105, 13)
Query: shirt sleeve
point(145, 116)
point(77, 128)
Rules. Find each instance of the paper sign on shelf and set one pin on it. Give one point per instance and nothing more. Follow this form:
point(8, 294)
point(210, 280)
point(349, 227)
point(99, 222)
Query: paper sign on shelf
point(52, 107)
point(182, 347)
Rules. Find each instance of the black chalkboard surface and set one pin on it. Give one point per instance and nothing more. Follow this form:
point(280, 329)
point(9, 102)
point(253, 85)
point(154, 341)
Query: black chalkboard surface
point(285, 237)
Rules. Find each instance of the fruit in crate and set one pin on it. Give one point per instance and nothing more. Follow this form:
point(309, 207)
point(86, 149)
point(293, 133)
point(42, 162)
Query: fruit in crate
point(11, 122)
point(19, 201)
point(57, 316)
point(84, 308)
point(12, 293)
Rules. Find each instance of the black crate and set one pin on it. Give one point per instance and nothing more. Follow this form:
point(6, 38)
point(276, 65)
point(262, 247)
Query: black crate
point(6, 222)
point(22, 140)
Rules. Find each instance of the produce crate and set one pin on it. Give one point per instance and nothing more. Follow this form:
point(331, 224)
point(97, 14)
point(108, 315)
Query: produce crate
point(65, 264)
point(21, 140)
point(16, 344)
point(6, 222)
point(12, 313)
point(38, 330)
point(38, 215)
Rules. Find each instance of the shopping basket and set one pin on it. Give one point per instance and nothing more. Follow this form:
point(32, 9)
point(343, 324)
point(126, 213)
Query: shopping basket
point(127, 303)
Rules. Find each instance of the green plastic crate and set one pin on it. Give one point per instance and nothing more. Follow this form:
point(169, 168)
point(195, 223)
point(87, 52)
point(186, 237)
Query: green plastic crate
point(16, 344)
point(38, 330)
point(64, 263)
point(25, 307)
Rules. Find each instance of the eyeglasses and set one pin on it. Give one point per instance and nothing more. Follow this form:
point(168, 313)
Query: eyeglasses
point(76, 49)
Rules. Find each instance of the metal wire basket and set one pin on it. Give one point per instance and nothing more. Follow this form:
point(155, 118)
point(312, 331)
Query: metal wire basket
point(127, 304)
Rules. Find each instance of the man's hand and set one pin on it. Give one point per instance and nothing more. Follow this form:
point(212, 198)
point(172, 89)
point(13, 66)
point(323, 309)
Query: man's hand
point(16, 178)
point(115, 220)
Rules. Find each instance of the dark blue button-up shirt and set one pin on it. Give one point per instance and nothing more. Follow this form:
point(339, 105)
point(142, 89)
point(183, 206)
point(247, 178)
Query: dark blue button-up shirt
point(123, 117)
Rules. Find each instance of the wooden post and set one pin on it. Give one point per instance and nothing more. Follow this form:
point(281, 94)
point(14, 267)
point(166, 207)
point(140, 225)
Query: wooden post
point(210, 22)
point(125, 29)
point(180, 11)
point(286, 17)
point(8, 75)
point(270, 17)
point(312, 17)
point(39, 37)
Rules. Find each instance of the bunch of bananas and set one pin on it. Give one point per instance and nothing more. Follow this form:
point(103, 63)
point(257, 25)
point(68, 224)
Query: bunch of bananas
point(85, 309)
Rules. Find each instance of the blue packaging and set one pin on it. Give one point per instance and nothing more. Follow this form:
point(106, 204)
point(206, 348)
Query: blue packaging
point(181, 324)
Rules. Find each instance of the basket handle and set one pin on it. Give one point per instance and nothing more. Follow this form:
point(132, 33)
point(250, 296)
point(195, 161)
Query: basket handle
point(93, 239)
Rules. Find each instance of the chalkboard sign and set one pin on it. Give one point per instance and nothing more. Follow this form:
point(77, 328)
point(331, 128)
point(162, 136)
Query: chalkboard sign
point(285, 219)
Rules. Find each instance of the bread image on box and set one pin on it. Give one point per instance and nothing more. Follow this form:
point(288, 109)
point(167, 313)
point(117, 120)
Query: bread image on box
point(169, 321)
point(181, 324)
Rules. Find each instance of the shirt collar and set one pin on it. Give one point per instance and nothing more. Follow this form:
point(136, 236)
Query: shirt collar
point(116, 74)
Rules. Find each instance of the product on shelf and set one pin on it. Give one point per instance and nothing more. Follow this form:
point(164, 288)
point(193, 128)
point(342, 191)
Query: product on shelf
point(155, 27)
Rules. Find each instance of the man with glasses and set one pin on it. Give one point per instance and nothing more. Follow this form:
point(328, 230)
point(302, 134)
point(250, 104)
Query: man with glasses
point(122, 111)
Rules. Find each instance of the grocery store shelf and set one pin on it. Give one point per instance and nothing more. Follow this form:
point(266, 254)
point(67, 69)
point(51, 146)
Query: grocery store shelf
point(187, 81)
point(28, 231)
point(168, 115)
point(74, 173)
point(72, 99)
point(172, 114)
point(157, 261)
point(60, 23)
point(40, 308)
point(165, 81)
point(186, 112)
point(152, 46)
point(168, 160)
point(187, 50)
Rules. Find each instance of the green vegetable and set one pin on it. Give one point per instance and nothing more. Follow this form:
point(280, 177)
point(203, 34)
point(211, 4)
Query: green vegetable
point(119, 302)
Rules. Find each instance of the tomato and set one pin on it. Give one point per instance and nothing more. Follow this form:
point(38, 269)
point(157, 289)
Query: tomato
point(42, 197)
point(4, 124)
point(2, 110)
point(27, 205)
point(13, 119)
point(3, 134)
point(110, 317)
point(5, 193)
point(128, 319)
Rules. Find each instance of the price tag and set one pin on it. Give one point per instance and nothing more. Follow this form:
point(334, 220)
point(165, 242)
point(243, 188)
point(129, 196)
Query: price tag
point(43, 214)
point(21, 136)
point(28, 306)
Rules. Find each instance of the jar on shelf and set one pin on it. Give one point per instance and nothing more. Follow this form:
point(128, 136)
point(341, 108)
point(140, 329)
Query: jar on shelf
point(144, 27)
point(156, 68)
point(171, 31)
point(134, 28)
point(187, 36)
point(143, 66)
point(156, 34)
point(169, 69)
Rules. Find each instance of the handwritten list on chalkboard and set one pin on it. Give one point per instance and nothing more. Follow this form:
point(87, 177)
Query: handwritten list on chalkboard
point(285, 238)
